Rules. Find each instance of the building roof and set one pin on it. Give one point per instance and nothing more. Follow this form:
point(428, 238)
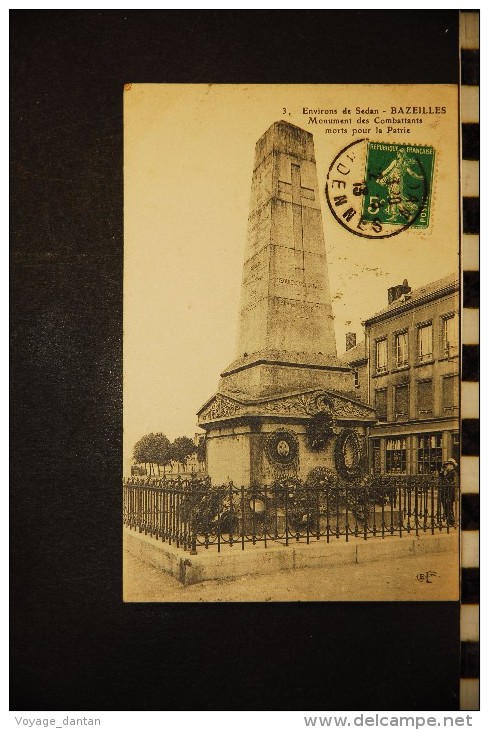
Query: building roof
point(354, 354)
point(434, 290)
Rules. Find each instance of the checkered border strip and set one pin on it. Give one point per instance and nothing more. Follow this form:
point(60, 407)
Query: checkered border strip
point(469, 461)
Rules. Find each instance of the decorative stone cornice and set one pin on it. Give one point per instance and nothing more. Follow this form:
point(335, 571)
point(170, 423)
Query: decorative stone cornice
point(305, 404)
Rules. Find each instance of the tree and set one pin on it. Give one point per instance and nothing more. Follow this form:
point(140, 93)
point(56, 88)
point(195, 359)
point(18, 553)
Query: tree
point(201, 450)
point(142, 451)
point(161, 450)
point(153, 449)
point(182, 448)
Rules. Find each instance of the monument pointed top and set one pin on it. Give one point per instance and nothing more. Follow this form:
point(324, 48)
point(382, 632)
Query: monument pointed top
point(286, 138)
point(283, 124)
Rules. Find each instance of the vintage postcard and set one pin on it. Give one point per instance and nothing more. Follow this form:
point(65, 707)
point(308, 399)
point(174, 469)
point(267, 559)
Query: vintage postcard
point(291, 342)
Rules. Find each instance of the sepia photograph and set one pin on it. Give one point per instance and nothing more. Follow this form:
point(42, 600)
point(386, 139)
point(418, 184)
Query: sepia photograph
point(291, 343)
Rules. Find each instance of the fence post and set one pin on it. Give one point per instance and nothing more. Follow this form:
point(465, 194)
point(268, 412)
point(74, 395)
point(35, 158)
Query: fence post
point(286, 515)
point(432, 501)
point(392, 504)
point(140, 510)
point(318, 516)
point(400, 510)
point(231, 514)
point(193, 532)
point(153, 512)
point(220, 492)
point(338, 512)
point(177, 517)
point(374, 516)
point(164, 511)
point(366, 514)
point(383, 514)
point(308, 497)
point(327, 512)
point(243, 511)
point(253, 516)
point(416, 508)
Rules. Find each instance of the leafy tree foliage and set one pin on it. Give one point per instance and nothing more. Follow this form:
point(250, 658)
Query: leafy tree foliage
point(182, 448)
point(201, 450)
point(141, 452)
point(162, 453)
point(154, 450)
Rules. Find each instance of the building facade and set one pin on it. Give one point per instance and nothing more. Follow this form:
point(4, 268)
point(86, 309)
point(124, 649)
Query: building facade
point(410, 361)
point(356, 357)
point(414, 361)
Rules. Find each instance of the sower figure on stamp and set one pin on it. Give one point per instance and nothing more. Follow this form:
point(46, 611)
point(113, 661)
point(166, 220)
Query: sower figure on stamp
point(393, 178)
point(447, 489)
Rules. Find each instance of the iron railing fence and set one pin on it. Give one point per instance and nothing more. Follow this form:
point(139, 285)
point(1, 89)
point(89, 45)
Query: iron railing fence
point(191, 513)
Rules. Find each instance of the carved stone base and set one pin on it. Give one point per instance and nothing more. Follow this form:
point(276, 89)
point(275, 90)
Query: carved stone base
point(257, 441)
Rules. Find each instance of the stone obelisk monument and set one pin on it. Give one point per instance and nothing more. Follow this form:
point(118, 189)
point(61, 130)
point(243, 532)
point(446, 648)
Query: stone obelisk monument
point(285, 299)
point(285, 372)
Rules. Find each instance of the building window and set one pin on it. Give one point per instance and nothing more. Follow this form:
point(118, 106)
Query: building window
point(425, 398)
point(380, 404)
point(401, 402)
point(429, 453)
point(395, 456)
point(449, 394)
point(425, 342)
point(381, 356)
point(450, 336)
point(356, 378)
point(401, 349)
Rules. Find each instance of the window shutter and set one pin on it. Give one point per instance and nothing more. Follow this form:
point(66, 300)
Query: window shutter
point(449, 393)
point(425, 398)
point(402, 401)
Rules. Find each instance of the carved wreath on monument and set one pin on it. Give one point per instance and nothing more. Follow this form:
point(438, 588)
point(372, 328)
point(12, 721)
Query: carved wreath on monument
point(282, 447)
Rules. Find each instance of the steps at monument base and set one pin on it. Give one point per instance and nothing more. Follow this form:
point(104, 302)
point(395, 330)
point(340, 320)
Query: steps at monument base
point(233, 562)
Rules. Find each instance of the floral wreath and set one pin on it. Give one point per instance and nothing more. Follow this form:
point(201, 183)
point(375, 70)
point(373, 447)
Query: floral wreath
point(353, 471)
point(319, 429)
point(282, 447)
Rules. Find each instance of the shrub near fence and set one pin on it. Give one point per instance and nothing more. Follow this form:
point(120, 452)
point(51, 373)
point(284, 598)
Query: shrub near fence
point(191, 513)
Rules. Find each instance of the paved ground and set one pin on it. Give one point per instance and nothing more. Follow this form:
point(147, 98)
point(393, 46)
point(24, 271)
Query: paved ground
point(386, 580)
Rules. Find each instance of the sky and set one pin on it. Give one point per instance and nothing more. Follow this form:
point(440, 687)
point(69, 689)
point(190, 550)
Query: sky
point(188, 161)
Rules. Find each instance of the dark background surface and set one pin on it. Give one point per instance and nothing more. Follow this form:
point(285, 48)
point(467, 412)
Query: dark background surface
point(75, 645)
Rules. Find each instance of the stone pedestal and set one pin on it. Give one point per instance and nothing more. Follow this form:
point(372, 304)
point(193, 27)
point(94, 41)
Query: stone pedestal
point(259, 441)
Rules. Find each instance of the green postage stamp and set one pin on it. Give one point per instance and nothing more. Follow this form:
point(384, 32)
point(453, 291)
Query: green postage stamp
point(398, 184)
